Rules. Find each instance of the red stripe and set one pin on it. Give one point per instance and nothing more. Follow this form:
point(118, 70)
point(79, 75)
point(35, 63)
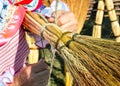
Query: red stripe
point(4, 47)
point(22, 53)
point(38, 5)
point(23, 2)
point(12, 64)
point(10, 1)
point(18, 55)
point(12, 27)
point(15, 52)
point(6, 50)
point(18, 64)
point(10, 44)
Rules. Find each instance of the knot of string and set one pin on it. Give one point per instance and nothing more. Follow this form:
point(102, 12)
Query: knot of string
point(69, 41)
point(60, 38)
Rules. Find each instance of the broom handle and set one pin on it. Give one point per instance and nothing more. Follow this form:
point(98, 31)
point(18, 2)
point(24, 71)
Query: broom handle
point(113, 19)
point(99, 18)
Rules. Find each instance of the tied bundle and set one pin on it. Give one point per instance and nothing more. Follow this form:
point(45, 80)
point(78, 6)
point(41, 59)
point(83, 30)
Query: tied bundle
point(91, 61)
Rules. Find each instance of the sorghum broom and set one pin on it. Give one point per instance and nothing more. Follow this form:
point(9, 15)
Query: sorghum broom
point(91, 61)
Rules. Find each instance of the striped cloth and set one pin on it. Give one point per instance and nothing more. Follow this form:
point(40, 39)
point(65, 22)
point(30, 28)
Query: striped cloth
point(13, 54)
point(15, 50)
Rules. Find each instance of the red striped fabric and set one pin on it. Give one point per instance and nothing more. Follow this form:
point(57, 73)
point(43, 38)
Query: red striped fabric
point(14, 52)
point(36, 4)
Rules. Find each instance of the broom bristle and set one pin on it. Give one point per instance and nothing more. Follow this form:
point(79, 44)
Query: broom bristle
point(92, 61)
point(100, 60)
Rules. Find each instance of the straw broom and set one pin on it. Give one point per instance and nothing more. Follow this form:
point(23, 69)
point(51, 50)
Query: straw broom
point(99, 18)
point(68, 77)
point(113, 19)
point(91, 61)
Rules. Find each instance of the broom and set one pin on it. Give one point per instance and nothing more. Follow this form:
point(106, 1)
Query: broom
point(113, 18)
point(97, 28)
point(91, 61)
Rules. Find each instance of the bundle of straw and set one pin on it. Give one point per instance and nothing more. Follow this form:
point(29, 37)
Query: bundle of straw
point(91, 61)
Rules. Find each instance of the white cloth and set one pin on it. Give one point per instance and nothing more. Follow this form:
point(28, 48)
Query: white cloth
point(3, 9)
point(7, 77)
point(49, 10)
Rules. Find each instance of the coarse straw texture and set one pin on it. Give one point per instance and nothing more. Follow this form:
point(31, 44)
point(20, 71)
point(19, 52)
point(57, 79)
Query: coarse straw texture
point(91, 61)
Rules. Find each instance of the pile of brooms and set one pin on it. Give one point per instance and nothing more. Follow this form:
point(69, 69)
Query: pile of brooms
point(91, 61)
